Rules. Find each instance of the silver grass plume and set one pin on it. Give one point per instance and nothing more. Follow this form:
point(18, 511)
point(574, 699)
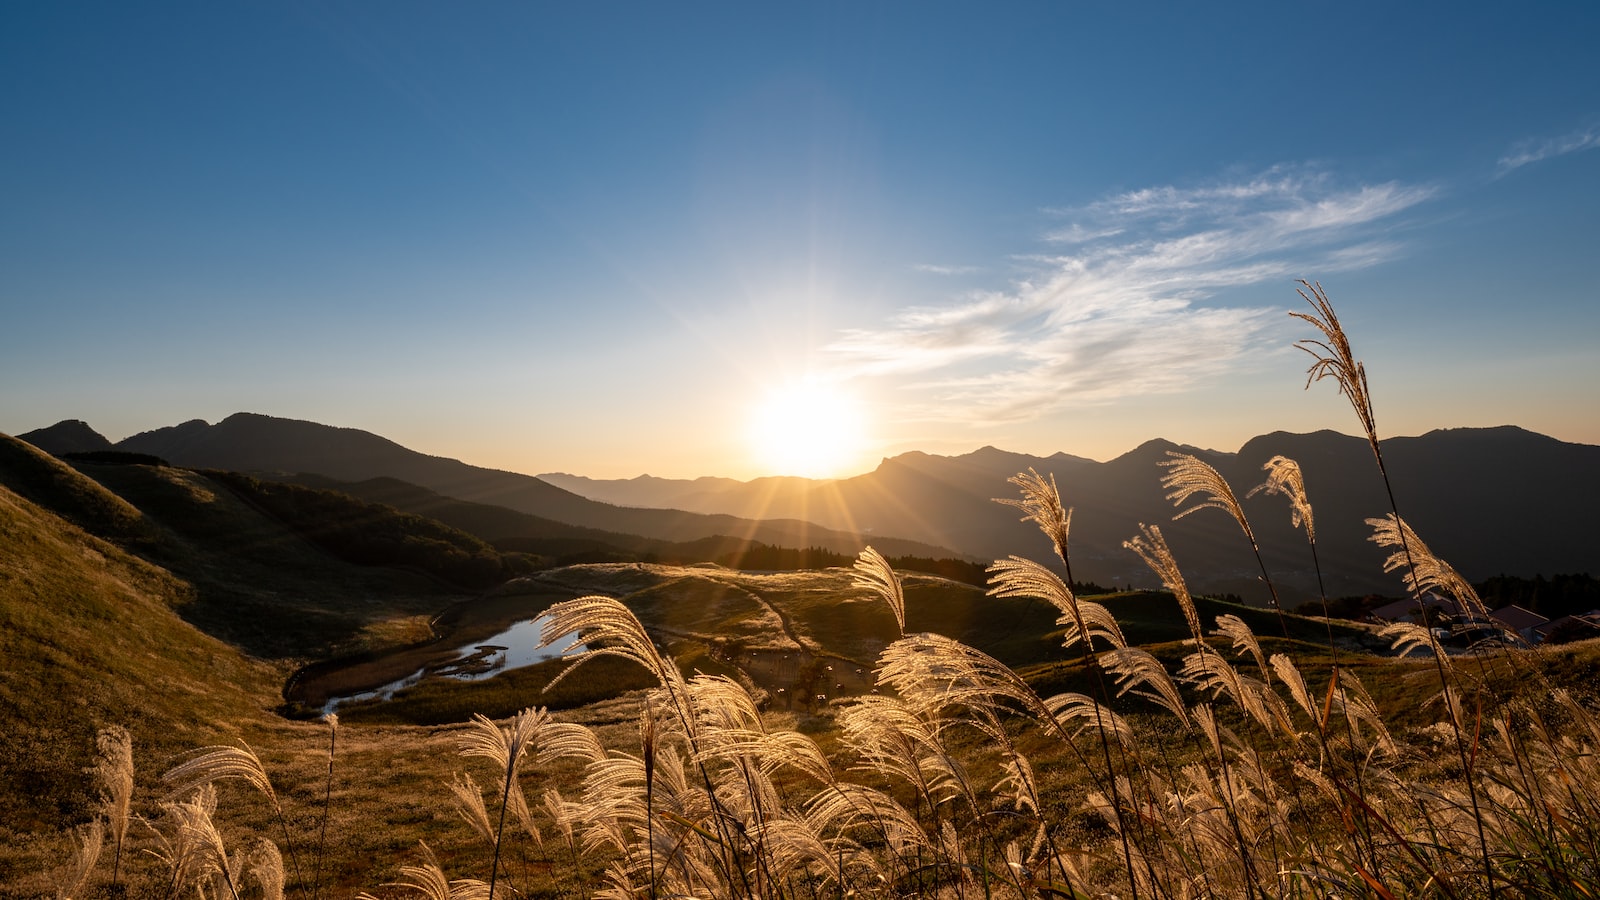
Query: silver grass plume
point(1284, 477)
point(847, 807)
point(1152, 548)
point(1244, 640)
point(87, 841)
point(217, 763)
point(930, 671)
point(796, 847)
point(1135, 668)
point(1354, 699)
point(196, 852)
point(467, 798)
point(610, 629)
point(1017, 784)
point(430, 881)
point(613, 797)
point(1189, 475)
point(1333, 358)
point(210, 764)
point(228, 878)
point(1041, 502)
point(1425, 571)
point(562, 813)
point(173, 841)
point(114, 771)
point(619, 885)
point(892, 738)
point(1085, 619)
point(772, 752)
point(873, 573)
point(506, 747)
point(722, 704)
point(1222, 738)
point(564, 740)
point(1289, 674)
point(1210, 672)
point(265, 865)
point(1405, 637)
point(1068, 708)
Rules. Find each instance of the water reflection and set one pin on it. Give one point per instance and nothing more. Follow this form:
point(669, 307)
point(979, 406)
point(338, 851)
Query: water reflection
point(513, 648)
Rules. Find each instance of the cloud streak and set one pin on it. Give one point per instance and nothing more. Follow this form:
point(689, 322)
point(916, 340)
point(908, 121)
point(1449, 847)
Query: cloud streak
point(1532, 151)
point(932, 269)
point(1123, 312)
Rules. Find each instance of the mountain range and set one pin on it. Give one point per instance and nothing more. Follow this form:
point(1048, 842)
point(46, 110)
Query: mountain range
point(1487, 500)
point(276, 447)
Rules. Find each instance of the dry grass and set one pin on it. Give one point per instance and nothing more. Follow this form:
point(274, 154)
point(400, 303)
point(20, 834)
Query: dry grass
point(1219, 763)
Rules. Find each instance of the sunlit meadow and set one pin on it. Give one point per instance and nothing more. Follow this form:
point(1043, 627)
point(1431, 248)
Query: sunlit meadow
point(1239, 761)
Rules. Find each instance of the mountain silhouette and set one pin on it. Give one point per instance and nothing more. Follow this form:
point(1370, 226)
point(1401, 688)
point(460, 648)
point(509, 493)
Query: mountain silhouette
point(1487, 500)
point(67, 436)
point(248, 442)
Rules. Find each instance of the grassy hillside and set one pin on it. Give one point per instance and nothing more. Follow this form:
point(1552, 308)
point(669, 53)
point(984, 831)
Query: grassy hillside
point(46, 481)
point(559, 544)
point(93, 636)
point(257, 582)
point(372, 534)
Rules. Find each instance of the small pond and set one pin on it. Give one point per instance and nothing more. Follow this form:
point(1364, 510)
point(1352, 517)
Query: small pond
point(477, 660)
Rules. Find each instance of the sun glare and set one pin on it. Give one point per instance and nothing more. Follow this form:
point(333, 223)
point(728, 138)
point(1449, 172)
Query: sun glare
point(809, 427)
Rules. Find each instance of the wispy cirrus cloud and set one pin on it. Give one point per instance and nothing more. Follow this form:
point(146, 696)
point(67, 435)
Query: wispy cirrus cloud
point(1123, 313)
point(933, 269)
point(1538, 150)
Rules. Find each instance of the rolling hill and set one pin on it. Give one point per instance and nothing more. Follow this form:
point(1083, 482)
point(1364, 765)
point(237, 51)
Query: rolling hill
point(93, 635)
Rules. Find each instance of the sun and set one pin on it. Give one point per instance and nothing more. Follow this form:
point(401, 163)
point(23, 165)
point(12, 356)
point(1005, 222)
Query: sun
point(810, 426)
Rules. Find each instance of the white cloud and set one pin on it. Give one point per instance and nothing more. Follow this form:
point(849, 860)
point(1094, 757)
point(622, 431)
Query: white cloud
point(932, 269)
point(1532, 151)
point(1077, 233)
point(1124, 313)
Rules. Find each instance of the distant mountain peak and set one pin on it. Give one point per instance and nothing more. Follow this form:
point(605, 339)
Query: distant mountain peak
point(1489, 432)
point(67, 436)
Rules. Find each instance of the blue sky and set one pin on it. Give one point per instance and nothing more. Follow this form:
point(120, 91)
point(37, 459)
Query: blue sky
point(595, 237)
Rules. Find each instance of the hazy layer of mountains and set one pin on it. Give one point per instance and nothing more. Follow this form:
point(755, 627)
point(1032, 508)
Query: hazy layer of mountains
point(256, 444)
point(1486, 500)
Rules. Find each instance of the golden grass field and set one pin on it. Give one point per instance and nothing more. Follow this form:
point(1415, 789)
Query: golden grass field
point(852, 732)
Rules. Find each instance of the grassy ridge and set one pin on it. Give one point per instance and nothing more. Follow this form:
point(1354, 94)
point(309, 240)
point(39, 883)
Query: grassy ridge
point(44, 480)
point(371, 534)
point(91, 636)
point(257, 582)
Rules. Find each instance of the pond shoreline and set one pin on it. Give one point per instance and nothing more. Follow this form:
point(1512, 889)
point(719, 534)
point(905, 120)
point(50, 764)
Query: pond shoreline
point(459, 626)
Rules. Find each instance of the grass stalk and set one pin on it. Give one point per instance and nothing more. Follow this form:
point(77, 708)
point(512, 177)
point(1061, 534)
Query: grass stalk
point(1333, 358)
point(327, 805)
